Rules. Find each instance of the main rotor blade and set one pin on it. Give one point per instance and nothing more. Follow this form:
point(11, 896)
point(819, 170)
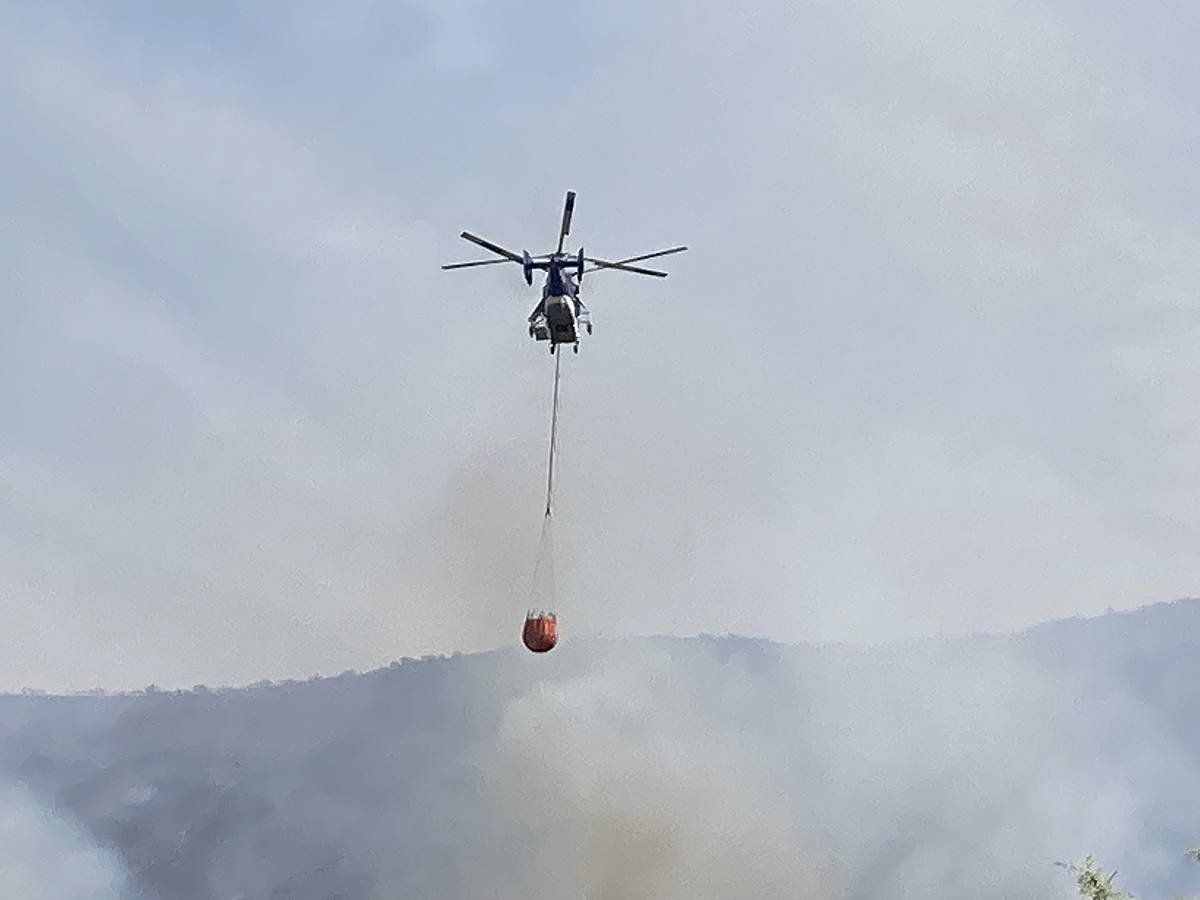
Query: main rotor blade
point(568, 208)
point(481, 262)
point(623, 263)
point(651, 255)
point(601, 264)
point(488, 245)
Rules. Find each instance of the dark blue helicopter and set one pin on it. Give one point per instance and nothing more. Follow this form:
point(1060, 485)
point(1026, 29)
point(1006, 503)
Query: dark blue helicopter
point(559, 315)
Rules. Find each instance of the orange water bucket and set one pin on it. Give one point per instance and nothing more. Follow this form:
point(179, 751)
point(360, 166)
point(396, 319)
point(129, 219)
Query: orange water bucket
point(540, 633)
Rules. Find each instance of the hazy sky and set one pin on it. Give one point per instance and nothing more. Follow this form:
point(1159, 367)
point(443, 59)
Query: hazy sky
point(927, 367)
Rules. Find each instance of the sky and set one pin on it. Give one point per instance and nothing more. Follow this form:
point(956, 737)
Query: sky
point(923, 370)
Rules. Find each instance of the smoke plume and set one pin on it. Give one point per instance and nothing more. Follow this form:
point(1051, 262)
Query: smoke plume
point(44, 856)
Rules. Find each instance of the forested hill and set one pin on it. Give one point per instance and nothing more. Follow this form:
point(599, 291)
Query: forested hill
point(656, 767)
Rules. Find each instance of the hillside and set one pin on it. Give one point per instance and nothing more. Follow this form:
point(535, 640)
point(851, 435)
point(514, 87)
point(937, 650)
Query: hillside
point(701, 767)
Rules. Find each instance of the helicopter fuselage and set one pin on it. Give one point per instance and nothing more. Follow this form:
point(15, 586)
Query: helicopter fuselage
point(558, 317)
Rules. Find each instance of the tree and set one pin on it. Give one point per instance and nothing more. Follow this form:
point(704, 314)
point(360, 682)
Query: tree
point(1093, 883)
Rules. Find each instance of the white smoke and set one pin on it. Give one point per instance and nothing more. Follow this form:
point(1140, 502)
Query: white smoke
point(43, 856)
point(699, 768)
point(746, 770)
point(632, 791)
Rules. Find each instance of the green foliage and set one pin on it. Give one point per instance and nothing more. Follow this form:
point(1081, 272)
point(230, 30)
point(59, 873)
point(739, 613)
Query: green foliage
point(1093, 883)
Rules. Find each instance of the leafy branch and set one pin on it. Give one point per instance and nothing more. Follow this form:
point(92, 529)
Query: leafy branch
point(1092, 882)
point(1095, 885)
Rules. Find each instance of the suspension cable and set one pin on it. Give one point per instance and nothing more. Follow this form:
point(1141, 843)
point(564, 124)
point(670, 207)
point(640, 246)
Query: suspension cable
point(544, 590)
point(553, 438)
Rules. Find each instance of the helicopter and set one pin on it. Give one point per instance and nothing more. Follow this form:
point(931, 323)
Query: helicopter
point(560, 314)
